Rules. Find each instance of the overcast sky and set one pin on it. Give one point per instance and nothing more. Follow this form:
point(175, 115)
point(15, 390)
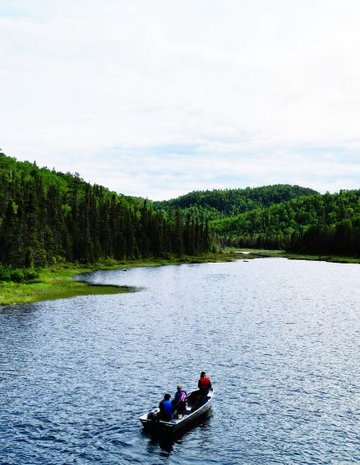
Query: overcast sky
point(161, 97)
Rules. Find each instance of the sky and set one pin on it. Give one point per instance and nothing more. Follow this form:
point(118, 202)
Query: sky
point(157, 98)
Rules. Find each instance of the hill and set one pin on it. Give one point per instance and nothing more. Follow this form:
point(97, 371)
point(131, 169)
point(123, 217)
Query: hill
point(48, 217)
point(282, 216)
point(326, 224)
point(220, 203)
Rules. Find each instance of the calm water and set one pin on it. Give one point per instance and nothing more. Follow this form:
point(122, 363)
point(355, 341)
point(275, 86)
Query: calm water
point(280, 340)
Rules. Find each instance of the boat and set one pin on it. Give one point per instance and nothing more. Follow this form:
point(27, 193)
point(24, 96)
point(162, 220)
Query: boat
point(195, 408)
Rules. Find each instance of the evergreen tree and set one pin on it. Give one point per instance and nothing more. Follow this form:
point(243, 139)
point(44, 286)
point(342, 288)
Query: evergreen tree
point(47, 217)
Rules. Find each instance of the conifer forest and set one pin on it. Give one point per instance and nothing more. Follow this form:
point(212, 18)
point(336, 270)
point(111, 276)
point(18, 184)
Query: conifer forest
point(49, 217)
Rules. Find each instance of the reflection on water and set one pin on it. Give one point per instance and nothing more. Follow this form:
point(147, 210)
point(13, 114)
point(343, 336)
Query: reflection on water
point(279, 338)
point(167, 442)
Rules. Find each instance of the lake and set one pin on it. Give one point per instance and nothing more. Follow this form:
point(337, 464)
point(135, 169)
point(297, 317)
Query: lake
point(279, 339)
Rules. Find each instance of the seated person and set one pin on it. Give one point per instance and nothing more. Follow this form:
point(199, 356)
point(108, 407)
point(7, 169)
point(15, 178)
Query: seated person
point(166, 408)
point(179, 402)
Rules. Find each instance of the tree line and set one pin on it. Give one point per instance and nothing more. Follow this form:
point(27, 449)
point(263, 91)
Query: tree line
point(220, 203)
point(320, 224)
point(48, 217)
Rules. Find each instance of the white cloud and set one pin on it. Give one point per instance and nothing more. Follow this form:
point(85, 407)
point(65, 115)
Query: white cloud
point(239, 81)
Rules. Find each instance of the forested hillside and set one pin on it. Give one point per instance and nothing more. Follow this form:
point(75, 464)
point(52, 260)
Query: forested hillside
point(280, 216)
point(218, 203)
point(47, 217)
point(328, 223)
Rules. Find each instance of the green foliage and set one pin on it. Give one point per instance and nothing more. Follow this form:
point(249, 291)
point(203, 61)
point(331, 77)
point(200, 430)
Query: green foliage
point(17, 275)
point(328, 223)
point(217, 204)
point(280, 216)
point(48, 217)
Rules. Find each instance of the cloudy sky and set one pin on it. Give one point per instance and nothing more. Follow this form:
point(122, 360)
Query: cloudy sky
point(161, 97)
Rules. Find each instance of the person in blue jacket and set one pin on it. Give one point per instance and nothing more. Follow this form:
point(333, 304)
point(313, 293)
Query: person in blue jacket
point(166, 408)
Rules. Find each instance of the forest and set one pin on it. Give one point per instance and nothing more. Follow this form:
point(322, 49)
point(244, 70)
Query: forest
point(220, 203)
point(292, 218)
point(48, 217)
point(315, 224)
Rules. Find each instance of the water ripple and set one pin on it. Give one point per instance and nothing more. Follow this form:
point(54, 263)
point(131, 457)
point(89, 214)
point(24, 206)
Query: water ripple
point(279, 338)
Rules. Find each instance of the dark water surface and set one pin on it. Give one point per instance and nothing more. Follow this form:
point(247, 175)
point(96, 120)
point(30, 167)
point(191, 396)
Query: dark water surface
point(280, 340)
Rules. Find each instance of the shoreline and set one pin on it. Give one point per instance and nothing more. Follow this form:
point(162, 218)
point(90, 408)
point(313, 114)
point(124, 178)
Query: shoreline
point(54, 284)
point(58, 282)
point(263, 253)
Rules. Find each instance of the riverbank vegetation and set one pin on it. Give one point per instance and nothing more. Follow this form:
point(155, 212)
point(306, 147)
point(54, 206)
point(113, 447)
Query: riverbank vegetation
point(57, 281)
point(292, 218)
point(54, 226)
point(53, 283)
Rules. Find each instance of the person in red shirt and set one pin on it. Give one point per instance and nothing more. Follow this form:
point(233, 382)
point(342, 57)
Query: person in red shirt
point(204, 383)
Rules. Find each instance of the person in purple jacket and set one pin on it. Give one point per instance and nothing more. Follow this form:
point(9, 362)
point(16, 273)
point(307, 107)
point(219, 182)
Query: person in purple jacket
point(179, 402)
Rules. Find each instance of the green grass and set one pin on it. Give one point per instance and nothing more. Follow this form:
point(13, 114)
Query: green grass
point(55, 283)
point(58, 282)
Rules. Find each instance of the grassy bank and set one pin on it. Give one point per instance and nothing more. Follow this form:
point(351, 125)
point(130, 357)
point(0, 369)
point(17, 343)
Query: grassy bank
point(58, 282)
point(52, 283)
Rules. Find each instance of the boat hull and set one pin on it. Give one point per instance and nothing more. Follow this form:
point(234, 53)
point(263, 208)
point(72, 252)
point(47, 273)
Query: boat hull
point(152, 424)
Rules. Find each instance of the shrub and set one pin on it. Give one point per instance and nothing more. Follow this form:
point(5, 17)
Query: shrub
point(17, 275)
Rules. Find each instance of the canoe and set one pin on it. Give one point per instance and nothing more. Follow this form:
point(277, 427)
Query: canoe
point(195, 408)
